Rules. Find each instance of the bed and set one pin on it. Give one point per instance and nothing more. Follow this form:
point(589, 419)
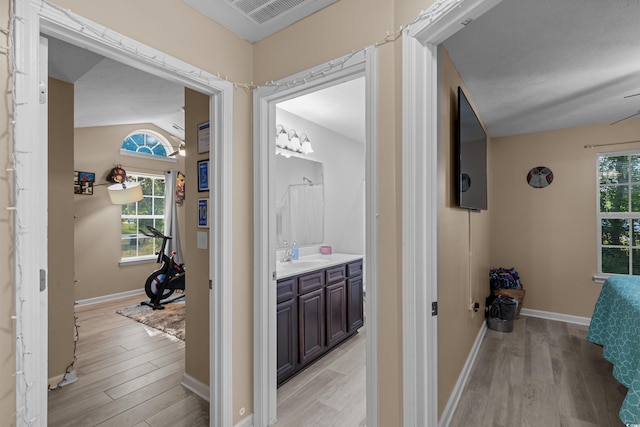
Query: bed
point(616, 326)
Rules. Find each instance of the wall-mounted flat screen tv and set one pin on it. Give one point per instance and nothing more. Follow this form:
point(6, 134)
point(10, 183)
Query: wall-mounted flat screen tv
point(472, 157)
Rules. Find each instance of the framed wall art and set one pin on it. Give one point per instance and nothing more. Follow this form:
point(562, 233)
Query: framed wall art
point(203, 175)
point(83, 182)
point(203, 137)
point(203, 213)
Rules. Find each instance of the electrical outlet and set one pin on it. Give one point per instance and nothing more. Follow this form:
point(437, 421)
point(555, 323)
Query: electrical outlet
point(474, 307)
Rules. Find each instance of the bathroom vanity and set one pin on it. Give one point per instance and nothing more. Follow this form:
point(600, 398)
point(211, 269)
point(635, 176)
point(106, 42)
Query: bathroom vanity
point(320, 304)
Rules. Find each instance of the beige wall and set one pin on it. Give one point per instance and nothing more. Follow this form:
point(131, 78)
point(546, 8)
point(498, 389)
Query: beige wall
point(463, 249)
point(196, 260)
point(549, 234)
point(60, 246)
point(328, 34)
point(97, 220)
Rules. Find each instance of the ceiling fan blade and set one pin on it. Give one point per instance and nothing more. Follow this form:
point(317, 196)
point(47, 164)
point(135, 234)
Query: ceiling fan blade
point(626, 118)
point(631, 96)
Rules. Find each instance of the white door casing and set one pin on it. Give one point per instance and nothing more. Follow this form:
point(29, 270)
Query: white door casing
point(30, 18)
point(420, 200)
point(360, 63)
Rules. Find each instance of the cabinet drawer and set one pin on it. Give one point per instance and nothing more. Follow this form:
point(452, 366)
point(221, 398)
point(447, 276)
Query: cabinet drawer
point(335, 274)
point(354, 268)
point(286, 289)
point(310, 282)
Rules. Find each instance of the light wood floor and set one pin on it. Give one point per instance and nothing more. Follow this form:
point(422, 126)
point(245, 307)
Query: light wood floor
point(543, 374)
point(329, 393)
point(128, 375)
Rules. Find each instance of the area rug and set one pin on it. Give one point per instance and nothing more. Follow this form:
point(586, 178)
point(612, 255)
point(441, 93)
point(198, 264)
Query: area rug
point(170, 320)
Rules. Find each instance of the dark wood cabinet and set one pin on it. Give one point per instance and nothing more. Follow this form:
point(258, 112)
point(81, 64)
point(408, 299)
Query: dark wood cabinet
point(311, 326)
point(355, 303)
point(287, 336)
point(336, 313)
point(316, 311)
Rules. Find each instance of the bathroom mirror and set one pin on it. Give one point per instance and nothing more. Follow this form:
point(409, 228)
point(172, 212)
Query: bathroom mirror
point(299, 201)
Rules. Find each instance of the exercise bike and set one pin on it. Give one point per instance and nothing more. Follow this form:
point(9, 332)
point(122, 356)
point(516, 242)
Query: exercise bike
point(163, 282)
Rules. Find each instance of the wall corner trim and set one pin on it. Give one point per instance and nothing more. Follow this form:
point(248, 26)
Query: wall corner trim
point(199, 388)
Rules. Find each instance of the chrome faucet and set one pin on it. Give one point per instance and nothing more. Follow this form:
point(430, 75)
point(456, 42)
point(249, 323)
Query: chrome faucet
point(288, 255)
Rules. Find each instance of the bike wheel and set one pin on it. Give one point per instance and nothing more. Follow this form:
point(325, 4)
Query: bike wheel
point(152, 285)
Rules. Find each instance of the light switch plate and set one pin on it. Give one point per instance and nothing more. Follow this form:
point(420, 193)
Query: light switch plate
point(202, 240)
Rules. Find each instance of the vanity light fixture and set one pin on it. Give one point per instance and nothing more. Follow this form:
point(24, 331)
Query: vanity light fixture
point(294, 141)
point(288, 142)
point(305, 144)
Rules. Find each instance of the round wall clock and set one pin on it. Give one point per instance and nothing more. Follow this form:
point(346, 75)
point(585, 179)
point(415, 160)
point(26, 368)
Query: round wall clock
point(540, 177)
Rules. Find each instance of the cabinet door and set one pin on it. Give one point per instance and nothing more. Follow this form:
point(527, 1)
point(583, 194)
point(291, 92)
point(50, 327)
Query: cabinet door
point(355, 303)
point(336, 312)
point(287, 339)
point(311, 325)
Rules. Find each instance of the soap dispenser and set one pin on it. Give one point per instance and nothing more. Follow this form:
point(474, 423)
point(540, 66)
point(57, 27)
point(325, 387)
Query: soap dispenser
point(295, 253)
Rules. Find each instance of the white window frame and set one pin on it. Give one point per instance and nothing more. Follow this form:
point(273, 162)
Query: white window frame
point(629, 215)
point(167, 146)
point(127, 260)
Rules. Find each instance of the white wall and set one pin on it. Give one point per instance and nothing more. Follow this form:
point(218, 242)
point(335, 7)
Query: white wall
point(343, 161)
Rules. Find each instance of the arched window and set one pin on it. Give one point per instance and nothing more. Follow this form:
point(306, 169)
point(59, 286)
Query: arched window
point(146, 143)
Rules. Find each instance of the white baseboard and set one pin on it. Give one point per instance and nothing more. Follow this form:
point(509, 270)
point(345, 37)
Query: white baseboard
point(246, 422)
point(445, 419)
point(195, 386)
point(556, 316)
point(109, 297)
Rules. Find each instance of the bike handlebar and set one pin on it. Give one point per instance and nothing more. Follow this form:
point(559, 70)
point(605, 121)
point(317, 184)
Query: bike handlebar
point(154, 233)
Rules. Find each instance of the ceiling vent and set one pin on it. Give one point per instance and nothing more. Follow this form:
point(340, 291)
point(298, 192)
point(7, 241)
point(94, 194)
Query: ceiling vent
point(254, 20)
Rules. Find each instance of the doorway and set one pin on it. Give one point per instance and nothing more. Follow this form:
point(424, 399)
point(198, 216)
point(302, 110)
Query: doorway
point(31, 313)
point(320, 200)
point(420, 196)
point(358, 65)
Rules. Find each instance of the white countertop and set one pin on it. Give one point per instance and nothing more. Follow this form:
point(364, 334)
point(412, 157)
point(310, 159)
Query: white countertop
point(314, 262)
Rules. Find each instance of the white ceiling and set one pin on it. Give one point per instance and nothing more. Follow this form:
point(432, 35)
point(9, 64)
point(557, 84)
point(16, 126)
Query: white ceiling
point(109, 93)
point(340, 108)
point(533, 65)
point(528, 65)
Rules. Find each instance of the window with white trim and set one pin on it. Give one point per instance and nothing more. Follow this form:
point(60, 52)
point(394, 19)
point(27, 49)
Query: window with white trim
point(136, 216)
point(148, 144)
point(619, 213)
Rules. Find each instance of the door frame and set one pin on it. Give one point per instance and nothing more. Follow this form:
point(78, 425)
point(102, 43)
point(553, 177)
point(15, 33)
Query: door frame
point(30, 150)
point(420, 201)
point(354, 65)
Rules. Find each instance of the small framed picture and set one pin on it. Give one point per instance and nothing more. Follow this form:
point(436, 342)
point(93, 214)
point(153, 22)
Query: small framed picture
point(203, 213)
point(203, 137)
point(83, 182)
point(203, 175)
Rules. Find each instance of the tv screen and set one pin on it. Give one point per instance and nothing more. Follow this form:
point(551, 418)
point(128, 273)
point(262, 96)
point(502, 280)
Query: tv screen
point(472, 157)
